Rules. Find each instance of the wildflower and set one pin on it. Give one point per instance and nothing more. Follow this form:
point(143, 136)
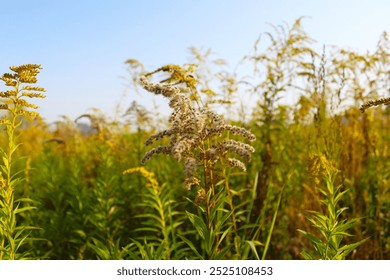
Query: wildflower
point(146, 174)
point(191, 127)
point(20, 82)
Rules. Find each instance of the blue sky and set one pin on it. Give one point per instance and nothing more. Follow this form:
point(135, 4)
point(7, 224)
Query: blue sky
point(82, 45)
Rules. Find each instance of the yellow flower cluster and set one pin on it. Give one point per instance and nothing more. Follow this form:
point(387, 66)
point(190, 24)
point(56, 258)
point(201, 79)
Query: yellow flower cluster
point(20, 81)
point(146, 174)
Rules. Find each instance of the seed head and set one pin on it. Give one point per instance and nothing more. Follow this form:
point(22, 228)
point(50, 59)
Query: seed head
point(195, 130)
point(372, 103)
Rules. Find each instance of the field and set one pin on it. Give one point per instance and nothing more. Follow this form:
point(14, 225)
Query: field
point(218, 178)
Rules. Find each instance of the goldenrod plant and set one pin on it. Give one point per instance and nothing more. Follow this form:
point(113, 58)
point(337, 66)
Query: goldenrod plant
point(160, 222)
point(201, 140)
point(15, 108)
point(331, 225)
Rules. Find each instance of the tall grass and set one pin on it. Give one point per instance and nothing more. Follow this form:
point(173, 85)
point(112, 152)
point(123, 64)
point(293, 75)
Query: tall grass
point(305, 179)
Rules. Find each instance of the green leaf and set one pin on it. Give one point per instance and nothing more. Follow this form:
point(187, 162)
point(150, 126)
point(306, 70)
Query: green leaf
point(222, 253)
point(252, 245)
point(23, 209)
point(306, 255)
point(199, 225)
point(222, 237)
point(347, 249)
point(192, 247)
point(314, 239)
point(5, 161)
point(340, 195)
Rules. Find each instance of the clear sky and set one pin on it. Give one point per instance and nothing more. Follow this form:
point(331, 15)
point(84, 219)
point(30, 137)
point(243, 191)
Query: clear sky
point(82, 44)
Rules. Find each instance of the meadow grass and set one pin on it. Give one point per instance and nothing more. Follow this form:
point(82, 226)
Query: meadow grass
point(307, 180)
